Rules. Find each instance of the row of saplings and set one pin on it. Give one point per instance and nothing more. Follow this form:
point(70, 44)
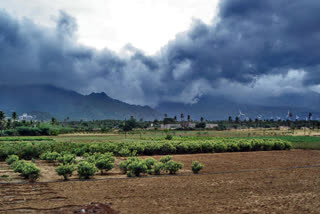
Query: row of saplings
point(90, 164)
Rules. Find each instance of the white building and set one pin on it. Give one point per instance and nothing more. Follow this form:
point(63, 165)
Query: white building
point(170, 126)
point(211, 126)
point(25, 116)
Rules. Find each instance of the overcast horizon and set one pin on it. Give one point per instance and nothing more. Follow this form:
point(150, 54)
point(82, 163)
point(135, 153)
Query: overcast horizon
point(148, 52)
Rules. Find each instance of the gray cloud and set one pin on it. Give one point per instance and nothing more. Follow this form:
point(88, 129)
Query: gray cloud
point(252, 42)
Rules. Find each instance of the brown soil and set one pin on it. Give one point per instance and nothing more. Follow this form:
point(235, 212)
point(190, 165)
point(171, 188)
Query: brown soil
point(292, 190)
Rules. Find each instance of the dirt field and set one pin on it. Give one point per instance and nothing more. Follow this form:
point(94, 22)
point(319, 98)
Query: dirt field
point(224, 186)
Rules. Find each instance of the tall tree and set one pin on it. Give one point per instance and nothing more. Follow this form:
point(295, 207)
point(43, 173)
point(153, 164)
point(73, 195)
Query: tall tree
point(14, 118)
point(181, 116)
point(201, 119)
point(189, 117)
point(53, 121)
point(2, 116)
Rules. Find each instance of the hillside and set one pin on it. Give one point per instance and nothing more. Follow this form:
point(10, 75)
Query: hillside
point(60, 103)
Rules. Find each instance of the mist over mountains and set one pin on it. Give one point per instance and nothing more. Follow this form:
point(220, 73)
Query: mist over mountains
point(45, 101)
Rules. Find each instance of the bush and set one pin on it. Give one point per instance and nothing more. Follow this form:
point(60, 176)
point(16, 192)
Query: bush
point(157, 167)
point(172, 166)
point(49, 156)
point(11, 159)
point(123, 165)
point(196, 166)
point(124, 152)
point(18, 165)
point(65, 170)
point(105, 162)
point(150, 162)
point(30, 171)
point(136, 167)
point(168, 137)
point(86, 169)
point(165, 159)
point(220, 147)
point(67, 159)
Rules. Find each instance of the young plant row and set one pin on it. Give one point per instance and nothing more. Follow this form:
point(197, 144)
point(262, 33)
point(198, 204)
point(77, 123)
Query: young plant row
point(29, 150)
point(27, 170)
point(87, 168)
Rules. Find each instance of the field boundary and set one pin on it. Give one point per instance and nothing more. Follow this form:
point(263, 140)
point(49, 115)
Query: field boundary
point(167, 175)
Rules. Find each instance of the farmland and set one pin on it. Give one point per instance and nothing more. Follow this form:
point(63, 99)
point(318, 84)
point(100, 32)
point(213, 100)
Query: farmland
point(283, 170)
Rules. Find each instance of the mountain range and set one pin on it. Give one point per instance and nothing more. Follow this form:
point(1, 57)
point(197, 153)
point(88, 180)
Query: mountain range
point(46, 101)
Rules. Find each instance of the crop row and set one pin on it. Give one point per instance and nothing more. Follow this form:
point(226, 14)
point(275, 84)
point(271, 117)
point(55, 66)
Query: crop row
point(29, 150)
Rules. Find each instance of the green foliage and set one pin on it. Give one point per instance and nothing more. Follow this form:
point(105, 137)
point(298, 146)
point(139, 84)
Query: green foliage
point(49, 156)
point(65, 170)
point(157, 167)
point(11, 159)
point(201, 125)
point(165, 159)
point(124, 152)
point(196, 166)
point(30, 171)
point(172, 166)
point(18, 165)
point(150, 162)
point(86, 169)
point(184, 145)
point(67, 158)
point(123, 165)
point(168, 137)
point(137, 167)
point(105, 163)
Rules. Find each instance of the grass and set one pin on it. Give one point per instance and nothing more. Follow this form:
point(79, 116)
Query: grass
point(31, 138)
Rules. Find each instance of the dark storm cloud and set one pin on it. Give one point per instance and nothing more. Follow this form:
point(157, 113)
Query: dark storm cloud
point(250, 41)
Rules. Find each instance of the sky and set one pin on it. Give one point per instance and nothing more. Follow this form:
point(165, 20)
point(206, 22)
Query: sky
point(150, 51)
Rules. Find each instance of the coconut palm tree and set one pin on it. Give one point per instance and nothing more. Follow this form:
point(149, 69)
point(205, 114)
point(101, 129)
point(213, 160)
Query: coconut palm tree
point(2, 116)
point(181, 116)
point(14, 118)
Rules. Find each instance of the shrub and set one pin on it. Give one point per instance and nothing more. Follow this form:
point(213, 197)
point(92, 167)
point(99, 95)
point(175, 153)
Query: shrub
point(11, 159)
point(49, 156)
point(18, 165)
point(172, 166)
point(165, 159)
point(138, 166)
point(86, 169)
point(30, 171)
point(150, 162)
point(123, 165)
point(168, 137)
point(196, 166)
point(124, 152)
point(105, 162)
point(65, 170)
point(157, 167)
point(220, 147)
point(67, 159)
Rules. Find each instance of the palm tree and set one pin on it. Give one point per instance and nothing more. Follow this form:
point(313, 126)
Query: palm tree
point(1, 121)
point(201, 119)
point(181, 116)
point(14, 117)
point(189, 118)
point(309, 116)
point(175, 118)
point(165, 115)
point(53, 121)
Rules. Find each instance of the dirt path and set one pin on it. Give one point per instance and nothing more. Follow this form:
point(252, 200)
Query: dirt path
point(279, 191)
